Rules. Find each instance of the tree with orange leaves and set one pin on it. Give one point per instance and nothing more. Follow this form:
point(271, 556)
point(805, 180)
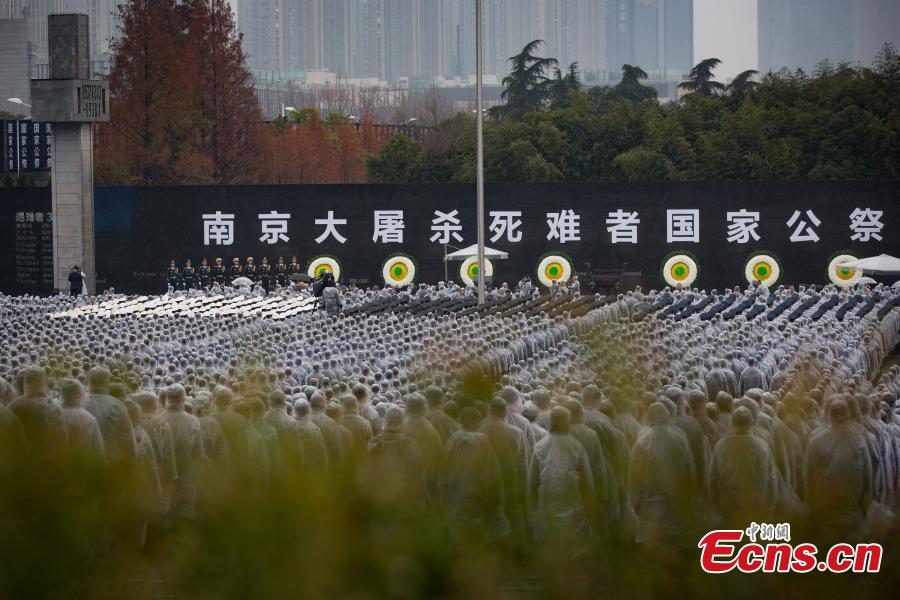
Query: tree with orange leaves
point(183, 109)
point(150, 117)
point(223, 92)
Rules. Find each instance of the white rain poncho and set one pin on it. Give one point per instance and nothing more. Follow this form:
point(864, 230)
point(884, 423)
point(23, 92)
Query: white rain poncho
point(112, 417)
point(606, 492)
point(315, 453)
point(838, 476)
point(508, 443)
point(428, 440)
point(743, 482)
point(661, 477)
point(561, 486)
point(84, 432)
point(189, 455)
point(475, 495)
point(42, 422)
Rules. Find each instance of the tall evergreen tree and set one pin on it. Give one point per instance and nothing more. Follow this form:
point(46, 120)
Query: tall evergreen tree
point(526, 87)
point(700, 81)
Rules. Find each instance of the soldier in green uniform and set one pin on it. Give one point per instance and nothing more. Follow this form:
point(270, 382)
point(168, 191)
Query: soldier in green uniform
point(172, 275)
point(203, 274)
point(281, 272)
point(188, 276)
point(236, 270)
point(250, 270)
point(265, 274)
point(218, 273)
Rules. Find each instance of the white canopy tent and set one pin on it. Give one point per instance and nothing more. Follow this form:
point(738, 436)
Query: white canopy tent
point(473, 251)
point(883, 263)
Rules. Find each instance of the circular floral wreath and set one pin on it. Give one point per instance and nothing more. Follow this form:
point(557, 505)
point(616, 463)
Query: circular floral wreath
point(763, 267)
point(680, 269)
point(554, 267)
point(843, 276)
point(468, 270)
point(399, 270)
point(321, 264)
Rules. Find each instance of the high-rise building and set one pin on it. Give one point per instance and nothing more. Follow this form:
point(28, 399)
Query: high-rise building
point(15, 66)
point(521, 27)
point(559, 18)
point(458, 33)
point(803, 33)
point(336, 34)
point(590, 49)
point(656, 35)
point(261, 23)
point(304, 34)
point(365, 36)
point(103, 28)
point(429, 44)
point(399, 22)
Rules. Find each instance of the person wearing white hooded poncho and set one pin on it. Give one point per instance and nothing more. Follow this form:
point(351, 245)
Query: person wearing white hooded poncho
point(838, 475)
point(475, 494)
point(661, 476)
point(189, 454)
point(561, 486)
point(743, 482)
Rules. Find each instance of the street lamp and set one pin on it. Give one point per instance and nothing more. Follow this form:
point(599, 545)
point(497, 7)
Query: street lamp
point(479, 132)
point(408, 121)
point(17, 101)
point(286, 109)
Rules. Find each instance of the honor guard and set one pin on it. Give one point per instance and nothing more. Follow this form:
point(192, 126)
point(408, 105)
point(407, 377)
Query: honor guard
point(218, 272)
point(236, 270)
point(204, 274)
point(265, 274)
point(250, 270)
point(294, 267)
point(281, 272)
point(188, 276)
point(172, 275)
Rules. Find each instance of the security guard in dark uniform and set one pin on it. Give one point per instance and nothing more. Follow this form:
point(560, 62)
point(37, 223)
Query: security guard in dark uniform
point(218, 272)
point(188, 276)
point(250, 270)
point(281, 272)
point(173, 277)
point(236, 270)
point(204, 274)
point(265, 274)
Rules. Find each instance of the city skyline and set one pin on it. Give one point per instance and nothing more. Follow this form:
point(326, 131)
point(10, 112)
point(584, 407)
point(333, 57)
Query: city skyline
point(386, 40)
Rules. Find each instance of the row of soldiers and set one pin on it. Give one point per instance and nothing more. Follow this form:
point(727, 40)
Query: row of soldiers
point(204, 276)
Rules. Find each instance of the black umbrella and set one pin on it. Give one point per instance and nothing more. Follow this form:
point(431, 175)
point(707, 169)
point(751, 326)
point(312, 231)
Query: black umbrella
point(301, 277)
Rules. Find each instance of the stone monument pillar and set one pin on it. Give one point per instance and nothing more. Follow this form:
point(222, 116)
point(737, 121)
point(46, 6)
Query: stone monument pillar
point(72, 102)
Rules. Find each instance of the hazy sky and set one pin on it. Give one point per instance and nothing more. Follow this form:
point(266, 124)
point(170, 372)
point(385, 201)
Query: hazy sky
point(726, 29)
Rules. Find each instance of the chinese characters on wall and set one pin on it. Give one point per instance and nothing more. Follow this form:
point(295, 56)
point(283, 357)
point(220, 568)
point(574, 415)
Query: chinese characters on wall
point(622, 227)
point(34, 249)
point(27, 146)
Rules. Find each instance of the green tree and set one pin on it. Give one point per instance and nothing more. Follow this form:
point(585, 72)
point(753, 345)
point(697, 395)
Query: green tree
point(629, 88)
point(641, 164)
point(700, 81)
point(526, 87)
point(742, 83)
point(561, 86)
point(398, 161)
